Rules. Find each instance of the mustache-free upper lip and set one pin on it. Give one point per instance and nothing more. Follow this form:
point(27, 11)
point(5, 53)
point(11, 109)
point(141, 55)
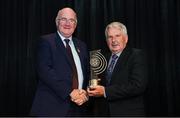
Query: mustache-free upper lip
point(115, 44)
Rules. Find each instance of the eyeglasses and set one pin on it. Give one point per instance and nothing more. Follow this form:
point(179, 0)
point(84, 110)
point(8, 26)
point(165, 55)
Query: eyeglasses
point(65, 20)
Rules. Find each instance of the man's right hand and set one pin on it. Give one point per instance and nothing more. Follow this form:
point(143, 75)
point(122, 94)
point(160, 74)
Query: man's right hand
point(79, 96)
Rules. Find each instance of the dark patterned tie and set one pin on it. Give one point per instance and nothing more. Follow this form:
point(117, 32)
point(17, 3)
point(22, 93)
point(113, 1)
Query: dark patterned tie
point(74, 74)
point(111, 67)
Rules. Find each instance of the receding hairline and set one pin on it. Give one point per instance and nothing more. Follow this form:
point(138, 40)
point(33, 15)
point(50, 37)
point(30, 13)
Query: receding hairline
point(66, 8)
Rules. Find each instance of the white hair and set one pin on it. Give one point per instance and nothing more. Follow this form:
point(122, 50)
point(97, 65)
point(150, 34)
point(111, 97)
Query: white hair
point(117, 25)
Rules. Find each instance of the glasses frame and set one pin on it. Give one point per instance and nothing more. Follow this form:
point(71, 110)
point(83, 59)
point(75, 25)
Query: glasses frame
point(65, 20)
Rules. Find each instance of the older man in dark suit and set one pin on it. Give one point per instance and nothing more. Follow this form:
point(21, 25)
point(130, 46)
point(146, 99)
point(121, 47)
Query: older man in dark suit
point(125, 76)
point(63, 66)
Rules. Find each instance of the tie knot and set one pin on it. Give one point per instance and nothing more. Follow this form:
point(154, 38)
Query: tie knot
point(67, 41)
point(114, 57)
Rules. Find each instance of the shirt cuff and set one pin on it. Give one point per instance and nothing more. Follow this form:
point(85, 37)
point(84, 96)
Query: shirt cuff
point(104, 93)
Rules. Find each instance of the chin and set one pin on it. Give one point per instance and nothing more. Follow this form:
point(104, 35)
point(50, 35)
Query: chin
point(115, 51)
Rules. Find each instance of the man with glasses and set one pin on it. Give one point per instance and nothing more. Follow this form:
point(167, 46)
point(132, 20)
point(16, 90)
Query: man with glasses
point(63, 69)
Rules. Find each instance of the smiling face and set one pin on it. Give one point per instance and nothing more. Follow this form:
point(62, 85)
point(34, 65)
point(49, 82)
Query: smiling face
point(116, 39)
point(66, 22)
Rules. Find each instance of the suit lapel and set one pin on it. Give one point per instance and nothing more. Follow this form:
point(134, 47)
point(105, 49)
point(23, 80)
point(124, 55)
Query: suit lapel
point(78, 50)
point(61, 48)
point(122, 60)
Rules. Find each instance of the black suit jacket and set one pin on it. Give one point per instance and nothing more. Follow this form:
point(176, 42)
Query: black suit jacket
point(124, 94)
point(55, 76)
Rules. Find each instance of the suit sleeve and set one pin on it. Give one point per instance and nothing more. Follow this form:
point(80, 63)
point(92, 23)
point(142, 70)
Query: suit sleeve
point(46, 71)
point(135, 73)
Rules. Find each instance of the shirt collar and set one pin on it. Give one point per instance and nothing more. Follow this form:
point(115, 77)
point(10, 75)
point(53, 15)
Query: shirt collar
point(118, 54)
point(62, 38)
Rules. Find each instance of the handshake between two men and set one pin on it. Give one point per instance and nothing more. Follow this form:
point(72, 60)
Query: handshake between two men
point(80, 96)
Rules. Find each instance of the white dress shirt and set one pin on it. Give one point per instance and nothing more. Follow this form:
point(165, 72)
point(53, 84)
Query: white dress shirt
point(76, 60)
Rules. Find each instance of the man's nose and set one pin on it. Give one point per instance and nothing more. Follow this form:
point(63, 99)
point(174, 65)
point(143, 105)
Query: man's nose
point(113, 39)
point(68, 22)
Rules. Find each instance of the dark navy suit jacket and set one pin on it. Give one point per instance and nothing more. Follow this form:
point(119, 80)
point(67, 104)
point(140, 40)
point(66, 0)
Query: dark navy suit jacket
point(55, 76)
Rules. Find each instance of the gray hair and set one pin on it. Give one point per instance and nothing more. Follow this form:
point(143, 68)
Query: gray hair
point(117, 25)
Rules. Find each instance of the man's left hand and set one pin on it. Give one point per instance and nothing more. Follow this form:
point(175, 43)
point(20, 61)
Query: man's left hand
point(96, 91)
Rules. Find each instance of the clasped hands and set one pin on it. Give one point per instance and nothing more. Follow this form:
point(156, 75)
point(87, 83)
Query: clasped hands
point(79, 96)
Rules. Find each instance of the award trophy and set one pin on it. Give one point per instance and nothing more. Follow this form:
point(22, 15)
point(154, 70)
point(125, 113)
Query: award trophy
point(98, 65)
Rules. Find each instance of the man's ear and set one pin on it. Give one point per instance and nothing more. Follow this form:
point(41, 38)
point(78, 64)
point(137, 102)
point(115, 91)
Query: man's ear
point(56, 21)
point(126, 38)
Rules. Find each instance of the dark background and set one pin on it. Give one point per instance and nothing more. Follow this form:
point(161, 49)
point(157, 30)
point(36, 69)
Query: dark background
point(153, 25)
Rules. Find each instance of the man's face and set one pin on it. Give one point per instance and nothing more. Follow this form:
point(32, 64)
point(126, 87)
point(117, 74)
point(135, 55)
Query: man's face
point(66, 22)
point(116, 40)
